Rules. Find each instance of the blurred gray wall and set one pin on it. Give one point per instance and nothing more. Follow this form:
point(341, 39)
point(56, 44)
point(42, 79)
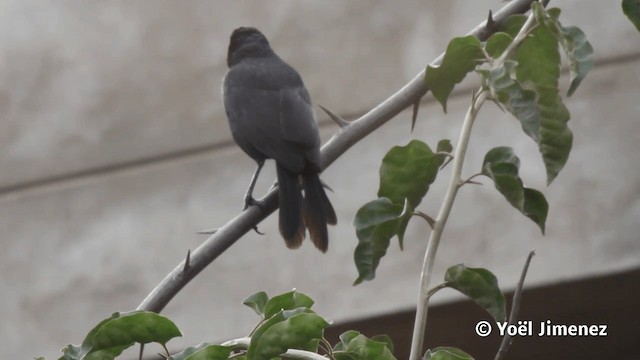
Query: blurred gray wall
point(114, 151)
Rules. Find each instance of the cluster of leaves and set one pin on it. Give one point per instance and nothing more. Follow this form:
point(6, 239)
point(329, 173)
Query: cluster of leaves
point(521, 78)
point(287, 322)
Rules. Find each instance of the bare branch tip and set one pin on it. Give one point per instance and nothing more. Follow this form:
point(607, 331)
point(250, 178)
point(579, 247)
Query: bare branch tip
point(340, 121)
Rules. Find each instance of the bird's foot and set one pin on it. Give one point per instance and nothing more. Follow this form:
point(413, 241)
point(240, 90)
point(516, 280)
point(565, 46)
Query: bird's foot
point(250, 201)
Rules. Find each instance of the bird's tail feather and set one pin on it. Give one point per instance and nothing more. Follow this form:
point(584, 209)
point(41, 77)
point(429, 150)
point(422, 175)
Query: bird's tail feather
point(317, 211)
point(291, 225)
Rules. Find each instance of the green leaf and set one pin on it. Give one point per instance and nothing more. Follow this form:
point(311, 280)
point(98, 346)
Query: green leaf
point(631, 8)
point(345, 356)
point(385, 339)
point(359, 347)
point(136, 326)
point(106, 354)
point(497, 44)
point(574, 42)
point(287, 301)
point(257, 302)
point(71, 352)
point(300, 329)
point(407, 171)
point(528, 87)
point(538, 60)
point(461, 57)
point(502, 165)
point(345, 338)
point(263, 327)
point(521, 103)
point(203, 351)
point(513, 24)
point(580, 54)
point(481, 286)
point(445, 146)
point(536, 207)
point(446, 353)
point(376, 223)
point(112, 335)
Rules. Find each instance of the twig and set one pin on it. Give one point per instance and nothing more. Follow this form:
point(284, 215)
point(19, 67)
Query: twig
point(426, 218)
point(346, 137)
point(515, 307)
point(470, 180)
point(434, 240)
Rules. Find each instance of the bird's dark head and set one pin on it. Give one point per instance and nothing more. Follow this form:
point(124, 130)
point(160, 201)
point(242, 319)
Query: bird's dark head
point(247, 42)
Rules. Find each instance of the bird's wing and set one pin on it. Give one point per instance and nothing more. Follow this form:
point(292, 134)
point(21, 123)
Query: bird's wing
point(276, 124)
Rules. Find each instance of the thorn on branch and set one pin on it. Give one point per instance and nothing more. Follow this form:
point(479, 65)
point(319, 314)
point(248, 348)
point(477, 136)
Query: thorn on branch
point(187, 261)
point(255, 228)
point(340, 121)
point(414, 117)
point(491, 24)
point(207, 232)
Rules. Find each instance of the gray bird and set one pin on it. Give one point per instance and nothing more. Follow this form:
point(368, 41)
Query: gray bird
point(271, 117)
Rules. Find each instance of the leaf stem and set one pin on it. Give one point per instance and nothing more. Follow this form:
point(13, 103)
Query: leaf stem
point(437, 288)
point(426, 217)
point(470, 180)
point(441, 220)
point(523, 33)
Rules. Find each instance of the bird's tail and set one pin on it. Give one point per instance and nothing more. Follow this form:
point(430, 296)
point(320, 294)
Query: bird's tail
point(317, 210)
point(291, 225)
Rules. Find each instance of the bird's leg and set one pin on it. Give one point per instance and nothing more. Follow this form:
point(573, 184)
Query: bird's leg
point(248, 198)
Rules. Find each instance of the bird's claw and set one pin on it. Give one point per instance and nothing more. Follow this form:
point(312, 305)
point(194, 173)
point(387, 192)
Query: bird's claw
point(250, 201)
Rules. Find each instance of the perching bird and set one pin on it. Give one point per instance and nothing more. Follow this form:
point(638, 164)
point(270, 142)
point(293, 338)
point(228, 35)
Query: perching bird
point(271, 117)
